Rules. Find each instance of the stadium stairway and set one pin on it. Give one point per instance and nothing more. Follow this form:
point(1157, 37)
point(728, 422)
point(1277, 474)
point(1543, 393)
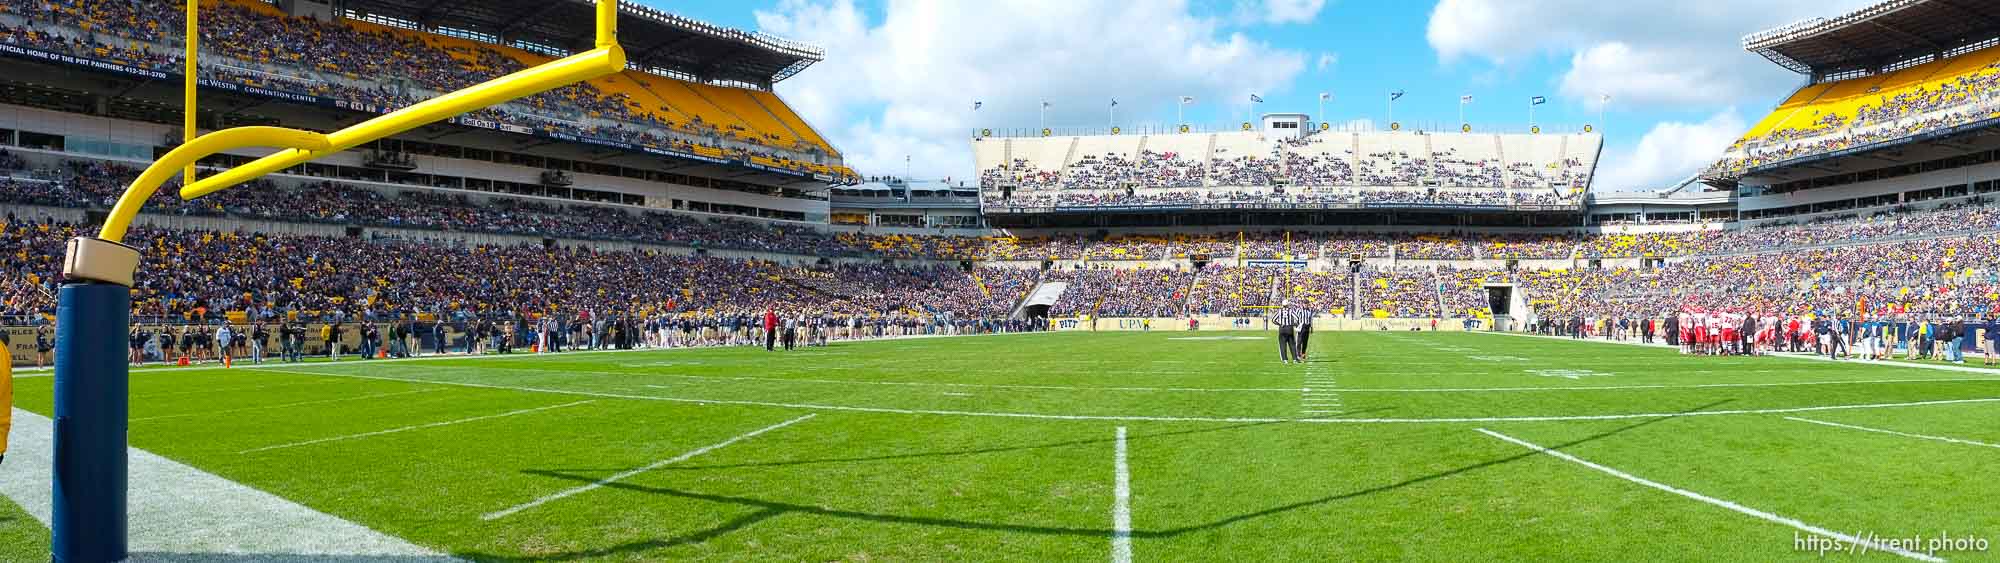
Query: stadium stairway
point(1069, 157)
point(1430, 156)
point(1194, 287)
point(1208, 158)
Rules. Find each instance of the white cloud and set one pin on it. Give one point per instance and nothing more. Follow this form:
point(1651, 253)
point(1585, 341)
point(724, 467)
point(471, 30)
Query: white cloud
point(1292, 11)
point(1326, 60)
point(1688, 54)
point(1659, 76)
point(904, 85)
point(1669, 153)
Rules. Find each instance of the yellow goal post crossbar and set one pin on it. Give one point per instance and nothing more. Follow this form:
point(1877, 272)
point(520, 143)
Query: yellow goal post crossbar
point(303, 146)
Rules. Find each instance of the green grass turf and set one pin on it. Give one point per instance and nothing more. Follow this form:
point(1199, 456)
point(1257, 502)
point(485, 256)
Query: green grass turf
point(1006, 450)
point(21, 537)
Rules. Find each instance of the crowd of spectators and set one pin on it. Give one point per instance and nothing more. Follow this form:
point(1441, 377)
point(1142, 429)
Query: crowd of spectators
point(1927, 106)
point(1120, 292)
point(1279, 195)
point(195, 275)
point(1309, 170)
point(360, 65)
point(98, 184)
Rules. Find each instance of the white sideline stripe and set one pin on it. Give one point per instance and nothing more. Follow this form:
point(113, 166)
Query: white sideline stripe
point(1798, 356)
point(415, 427)
point(906, 383)
point(1121, 505)
point(1894, 433)
point(1752, 512)
point(180, 513)
point(20, 373)
point(1687, 386)
point(628, 473)
point(1139, 418)
point(285, 405)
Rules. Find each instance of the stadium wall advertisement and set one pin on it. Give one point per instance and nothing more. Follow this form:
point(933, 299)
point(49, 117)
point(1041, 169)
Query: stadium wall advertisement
point(127, 70)
point(21, 343)
point(1218, 323)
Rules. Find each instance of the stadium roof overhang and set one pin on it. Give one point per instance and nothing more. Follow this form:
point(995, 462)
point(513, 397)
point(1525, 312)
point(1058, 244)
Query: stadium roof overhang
point(1877, 36)
point(652, 38)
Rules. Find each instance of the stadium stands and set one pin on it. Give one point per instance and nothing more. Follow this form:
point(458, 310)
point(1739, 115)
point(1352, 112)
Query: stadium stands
point(358, 64)
point(198, 275)
point(1330, 168)
point(1838, 115)
point(1938, 254)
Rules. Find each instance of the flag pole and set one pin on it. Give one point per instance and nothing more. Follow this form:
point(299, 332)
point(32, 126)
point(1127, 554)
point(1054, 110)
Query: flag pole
point(1602, 100)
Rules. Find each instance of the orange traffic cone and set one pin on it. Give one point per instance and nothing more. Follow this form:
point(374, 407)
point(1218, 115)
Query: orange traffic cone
point(382, 354)
point(225, 362)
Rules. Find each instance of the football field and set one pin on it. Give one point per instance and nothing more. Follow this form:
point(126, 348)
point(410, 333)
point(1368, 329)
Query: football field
point(1162, 446)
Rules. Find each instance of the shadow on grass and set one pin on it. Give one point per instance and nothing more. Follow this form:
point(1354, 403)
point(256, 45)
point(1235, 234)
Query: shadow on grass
point(767, 509)
point(951, 453)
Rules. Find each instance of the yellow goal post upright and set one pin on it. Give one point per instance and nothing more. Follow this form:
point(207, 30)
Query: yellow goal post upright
point(93, 310)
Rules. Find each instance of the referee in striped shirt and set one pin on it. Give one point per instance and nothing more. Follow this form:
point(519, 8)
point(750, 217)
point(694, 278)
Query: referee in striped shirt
point(1287, 320)
point(1304, 342)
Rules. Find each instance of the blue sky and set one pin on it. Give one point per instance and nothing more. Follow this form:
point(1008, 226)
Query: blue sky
point(901, 75)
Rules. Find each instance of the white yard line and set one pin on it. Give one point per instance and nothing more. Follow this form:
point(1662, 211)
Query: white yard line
point(287, 405)
point(415, 427)
point(1121, 505)
point(1141, 418)
point(179, 513)
point(1752, 512)
point(1894, 433)
point(1669, 386)
point(906, 383)
point(629, 473)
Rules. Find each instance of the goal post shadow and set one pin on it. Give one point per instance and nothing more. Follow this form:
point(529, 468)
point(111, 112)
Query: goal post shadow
point(93, 313)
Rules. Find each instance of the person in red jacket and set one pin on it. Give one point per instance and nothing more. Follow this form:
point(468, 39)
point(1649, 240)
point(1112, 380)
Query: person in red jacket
point(770, 330)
